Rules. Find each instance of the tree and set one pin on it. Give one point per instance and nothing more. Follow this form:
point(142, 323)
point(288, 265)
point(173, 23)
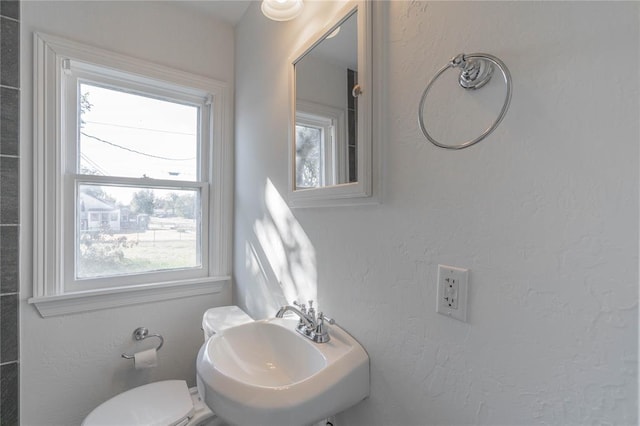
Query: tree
point(307, 156)
point(185, 206)
point(85, 105)
point(170, 202)
point(143, 202)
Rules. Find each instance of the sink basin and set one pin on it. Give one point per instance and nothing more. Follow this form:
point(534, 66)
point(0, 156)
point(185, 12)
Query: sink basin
point(265, 373)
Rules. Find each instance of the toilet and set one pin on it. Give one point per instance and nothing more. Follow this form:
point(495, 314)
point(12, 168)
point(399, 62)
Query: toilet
point(167, 402)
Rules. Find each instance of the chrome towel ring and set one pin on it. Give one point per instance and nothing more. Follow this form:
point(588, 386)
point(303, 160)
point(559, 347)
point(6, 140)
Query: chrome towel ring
point(476, 70)
point(142, 333)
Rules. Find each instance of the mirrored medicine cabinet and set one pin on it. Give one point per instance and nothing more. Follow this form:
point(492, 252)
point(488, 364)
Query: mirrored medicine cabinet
point(330, 160)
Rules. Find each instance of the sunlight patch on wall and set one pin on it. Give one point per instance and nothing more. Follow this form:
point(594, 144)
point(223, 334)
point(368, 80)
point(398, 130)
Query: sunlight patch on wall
point(285, 253)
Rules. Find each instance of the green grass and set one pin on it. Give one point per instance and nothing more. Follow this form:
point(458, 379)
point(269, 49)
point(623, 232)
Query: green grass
point(145, 256)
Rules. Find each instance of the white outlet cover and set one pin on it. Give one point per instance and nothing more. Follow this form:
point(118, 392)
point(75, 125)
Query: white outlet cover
point(460, 279)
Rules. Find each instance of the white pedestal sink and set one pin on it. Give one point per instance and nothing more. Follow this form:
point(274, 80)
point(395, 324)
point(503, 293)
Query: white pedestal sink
point(265, 373)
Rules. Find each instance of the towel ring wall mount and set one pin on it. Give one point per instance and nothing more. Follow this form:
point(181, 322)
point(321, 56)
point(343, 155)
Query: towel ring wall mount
point(476, 69)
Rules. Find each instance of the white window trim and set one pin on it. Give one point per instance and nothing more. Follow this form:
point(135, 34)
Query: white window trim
point(78, 72)
point(334, 150)
point(326, 144)
point(49, 55)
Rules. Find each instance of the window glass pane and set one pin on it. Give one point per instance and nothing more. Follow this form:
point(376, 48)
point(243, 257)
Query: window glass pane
point(124, 230)
point(308, 156)
point(129, 135)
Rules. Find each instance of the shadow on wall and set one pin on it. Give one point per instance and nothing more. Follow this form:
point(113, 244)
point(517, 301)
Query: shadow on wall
point(281, 259)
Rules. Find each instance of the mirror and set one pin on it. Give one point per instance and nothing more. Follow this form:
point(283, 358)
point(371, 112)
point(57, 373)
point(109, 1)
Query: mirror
point(325, 133)
point(330, 144)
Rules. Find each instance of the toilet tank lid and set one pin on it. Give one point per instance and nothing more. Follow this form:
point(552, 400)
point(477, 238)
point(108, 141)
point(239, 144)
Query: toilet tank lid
point(215, 320)
point(165, 403)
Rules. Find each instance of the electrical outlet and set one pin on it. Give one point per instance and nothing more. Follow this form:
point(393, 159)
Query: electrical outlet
point(452, 292)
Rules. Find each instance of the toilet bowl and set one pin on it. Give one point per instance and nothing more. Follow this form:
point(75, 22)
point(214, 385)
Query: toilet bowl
point(168, 402)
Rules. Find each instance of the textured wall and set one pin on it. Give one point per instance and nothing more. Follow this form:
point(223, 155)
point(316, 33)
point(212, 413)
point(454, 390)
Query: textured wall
point(544, 213)
point(9, 210)
point(72, 363)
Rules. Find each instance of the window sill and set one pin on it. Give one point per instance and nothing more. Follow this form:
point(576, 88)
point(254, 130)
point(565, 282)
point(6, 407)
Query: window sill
point(71, 303)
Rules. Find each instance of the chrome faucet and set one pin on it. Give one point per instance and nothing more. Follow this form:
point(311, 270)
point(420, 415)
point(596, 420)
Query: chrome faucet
point(305, 320)
point(310, 326)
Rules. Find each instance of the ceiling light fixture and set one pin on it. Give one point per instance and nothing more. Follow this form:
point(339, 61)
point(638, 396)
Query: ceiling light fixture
point(281, 10)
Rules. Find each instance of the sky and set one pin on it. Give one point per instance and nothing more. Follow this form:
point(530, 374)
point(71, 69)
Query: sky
point(129, 135)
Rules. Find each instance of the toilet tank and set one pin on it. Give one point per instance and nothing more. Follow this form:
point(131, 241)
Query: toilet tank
point(215, 320)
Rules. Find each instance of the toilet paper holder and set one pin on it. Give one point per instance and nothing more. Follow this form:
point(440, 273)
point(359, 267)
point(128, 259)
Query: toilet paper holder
point(142, 333)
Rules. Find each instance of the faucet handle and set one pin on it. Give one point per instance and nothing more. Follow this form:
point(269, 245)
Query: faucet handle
point(320, 334)
point(303, 307)
point(322, 317)
point(312, 311)
point(301, 324)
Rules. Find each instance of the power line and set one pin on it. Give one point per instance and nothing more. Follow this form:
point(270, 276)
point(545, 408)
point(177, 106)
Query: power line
point(93, 164)
point(134, 151)
point(139, 128)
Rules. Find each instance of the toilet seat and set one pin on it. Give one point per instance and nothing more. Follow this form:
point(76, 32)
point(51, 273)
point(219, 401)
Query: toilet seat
point(164, 403)
point(169, 402)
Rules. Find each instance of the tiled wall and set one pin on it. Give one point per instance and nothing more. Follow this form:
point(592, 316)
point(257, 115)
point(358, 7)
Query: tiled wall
point(9, 209)
point(352, 128)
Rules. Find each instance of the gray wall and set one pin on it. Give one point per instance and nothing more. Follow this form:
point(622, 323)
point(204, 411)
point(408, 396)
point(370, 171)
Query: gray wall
point(9, 209)
point(544, 213)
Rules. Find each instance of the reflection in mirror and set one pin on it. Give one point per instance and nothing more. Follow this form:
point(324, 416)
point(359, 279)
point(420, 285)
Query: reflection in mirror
point(326, 148)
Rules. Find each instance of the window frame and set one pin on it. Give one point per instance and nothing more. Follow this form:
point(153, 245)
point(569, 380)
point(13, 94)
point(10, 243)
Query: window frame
point(325, 159)
point(59, 65)
point(333, 151)
point(76, 73)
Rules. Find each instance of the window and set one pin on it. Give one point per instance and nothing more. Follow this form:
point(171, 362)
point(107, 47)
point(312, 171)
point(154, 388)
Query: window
point(133, 148)
point(132, 187)
point(313, 151)
point(321, 151)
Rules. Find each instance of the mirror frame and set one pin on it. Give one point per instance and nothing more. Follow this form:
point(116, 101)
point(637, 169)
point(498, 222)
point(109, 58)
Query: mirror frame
point(344, 193)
